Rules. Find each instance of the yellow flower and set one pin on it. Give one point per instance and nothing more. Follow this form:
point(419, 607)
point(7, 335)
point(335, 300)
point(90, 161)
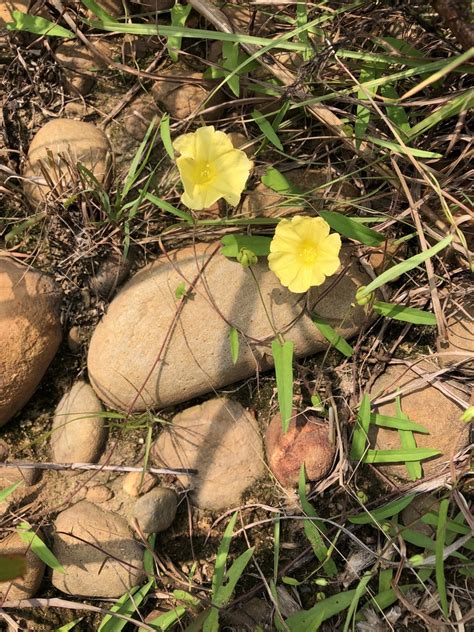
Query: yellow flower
point(210, 168)
point(303, 253)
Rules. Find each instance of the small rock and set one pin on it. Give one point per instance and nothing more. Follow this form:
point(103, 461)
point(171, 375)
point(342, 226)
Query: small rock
point(306, 441)
point(99, 494)
point(111, 273)
point(92, 571)
point(426, 406)
point(139, 116)
point(180, 99)
point(23, 587)
point(74, 340)
point(156, 510)
point(137, 483)
point(263, 201)
point(78, 432)
point(30, 332)
point(80, 65)
point(419, 506)
point(57, 149)
point(221, 440)
point(125, 343)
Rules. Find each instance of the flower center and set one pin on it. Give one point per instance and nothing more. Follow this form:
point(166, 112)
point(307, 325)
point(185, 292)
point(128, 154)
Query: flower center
point(204, 172)
point(308, 253)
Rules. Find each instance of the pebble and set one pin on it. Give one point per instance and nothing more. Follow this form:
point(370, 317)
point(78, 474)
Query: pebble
point(156, 510)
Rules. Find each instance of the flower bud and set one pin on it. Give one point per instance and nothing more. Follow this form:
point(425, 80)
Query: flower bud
point(361, 298)
point(468, 415)
point(247, 258)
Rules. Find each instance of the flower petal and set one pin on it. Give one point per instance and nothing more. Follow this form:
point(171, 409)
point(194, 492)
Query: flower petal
point(313, 229)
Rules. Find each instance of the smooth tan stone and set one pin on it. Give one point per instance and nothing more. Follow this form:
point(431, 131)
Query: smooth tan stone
point(140, 327)
point(30, 332)
point(79, 432)
point(221, 440)
point(426, 406)
point(56, 150)
point(91, 571)
point(80, 65)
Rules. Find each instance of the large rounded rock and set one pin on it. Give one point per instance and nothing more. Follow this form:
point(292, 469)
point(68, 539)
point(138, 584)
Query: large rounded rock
point(23, 587)
point(97, 551)
point(78, 432)
point(140, 358)
point(220, 440)
point(307, 442)
point(51, 170)
point(156, 510)
point(427, 406)
point(30, 332)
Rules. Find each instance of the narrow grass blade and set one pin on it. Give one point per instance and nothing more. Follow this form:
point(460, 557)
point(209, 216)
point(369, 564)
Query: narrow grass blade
point(367, 72)
point(399, 456)
point(399, 149)
point(68, 626)
point(222, 553)
point(405, 314)
point(232, 245)
point(380, 514)
point(352, 229)
point(398, 423)
point(126, 605)
point(266, 129)
point(276, 547)
point(232, 576)
point(230, 55)
point(360, 436)
point(461, 102)
point(98, 11)
point(283, 358)
point(179, 14)
point(408, 441)
point(12, 566)
point(405, 266)
point(234, 344)
point(310, 620)
point(359, 591)
point(166, 135)
point(439, 553)
point(37, 25)
point(164, 621)
point(4, 493)
point(315, 529)
point(396, 113)
point(166, 206)
point(385, 579)
point(332, 336)
point(38, 547)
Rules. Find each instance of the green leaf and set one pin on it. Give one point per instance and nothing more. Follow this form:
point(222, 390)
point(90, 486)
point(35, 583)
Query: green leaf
point(211, 624)
point(179, 14)
point(127, 605)
point(12, 566)
point(38, 26)
point(380, 514)
point(352, 229)
point(221, 557)
point(166, 135)
point(399, 456)
point(367, 72)
point(169, 208)
point(230, 55)
point(315, 529)
point(360, 590)
point(398, 423)
point(405, 314)
point(9, 490)
point(408, 441)
point(166, 620)
point(266, 129)
point(406, 151)
point(232, 576)
point(276, 181)
point(98, 11)
point(283, 358)
point(232, 244)
point(148, 559)
point(402, 268)
point(361, 431)
point(460, 103)
point(439, 551)
point(180, 291)
point(234, 344)
point(310, 620)
point(332, 336)
point(38, 547)
point(396, 113)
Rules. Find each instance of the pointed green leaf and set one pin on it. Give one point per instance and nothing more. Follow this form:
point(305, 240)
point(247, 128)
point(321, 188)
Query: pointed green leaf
point(381, 513)
point(234, 344)
point(283, 359)
point(232, 244)
point(352, 229)
point(399, 456)
point(38, 547)
point(37, 25)
point(405, 314)
point(266, 129)
point(332, 336)
point(361, 431)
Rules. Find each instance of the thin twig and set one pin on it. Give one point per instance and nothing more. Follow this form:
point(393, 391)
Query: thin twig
point(24, 465)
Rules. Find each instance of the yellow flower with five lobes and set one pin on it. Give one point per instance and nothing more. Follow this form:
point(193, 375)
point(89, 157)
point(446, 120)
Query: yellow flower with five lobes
point(303, 252)
point(210, 168)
